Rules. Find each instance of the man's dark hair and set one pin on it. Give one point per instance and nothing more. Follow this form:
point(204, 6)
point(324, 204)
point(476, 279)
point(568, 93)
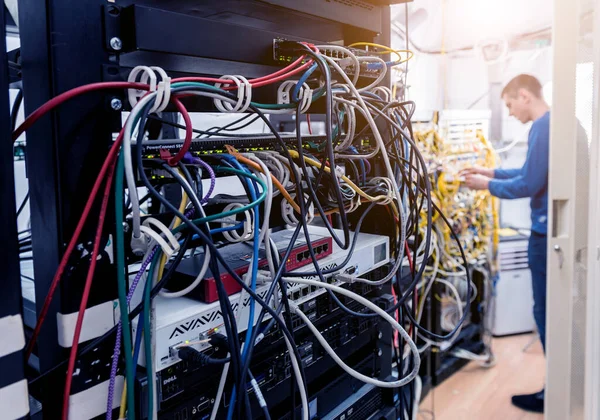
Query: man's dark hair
point(523, 81)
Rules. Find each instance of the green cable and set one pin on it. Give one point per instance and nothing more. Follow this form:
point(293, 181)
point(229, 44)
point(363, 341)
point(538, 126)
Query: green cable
point(147, 335)
point(120, 244)
point(316, 95)
point(242, 209)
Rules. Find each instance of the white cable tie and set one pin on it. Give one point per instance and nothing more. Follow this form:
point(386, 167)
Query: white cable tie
point(305, 95)
point(147, 76)
point(244, 95)
point(163, 91)
point(158, 239)
point(233, 235)
point(289, 216)
point(164, 229)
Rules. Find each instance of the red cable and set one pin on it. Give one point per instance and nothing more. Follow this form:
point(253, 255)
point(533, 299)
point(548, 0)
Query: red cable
point(258, 79)
point(410, 263)
point(188, 133)
point(50, 105)
point(63, 97)
point(261, 81)
point(279, 75)
point(73, 242)
point(308, 123)
point(86, 291)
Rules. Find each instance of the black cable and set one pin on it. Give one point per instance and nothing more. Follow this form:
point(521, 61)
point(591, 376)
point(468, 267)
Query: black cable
point(427, 192)
point(227, 127)
point(199, 187)
point(22, 206)
point(329, 146)
point(264, 407)
point(212, 247)
point(195, 130)
point(228, 315)
point(403, 298)
point(196, 357)
point(14, 112)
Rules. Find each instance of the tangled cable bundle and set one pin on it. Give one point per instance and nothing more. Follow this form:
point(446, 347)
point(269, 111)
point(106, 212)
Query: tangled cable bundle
point(367, 159)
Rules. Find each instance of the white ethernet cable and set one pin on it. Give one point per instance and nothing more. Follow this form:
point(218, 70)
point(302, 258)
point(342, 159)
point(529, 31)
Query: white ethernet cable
point(138, 241)
point(199, 277)
point(379, 78)
point(413, 348)
point(350, 59)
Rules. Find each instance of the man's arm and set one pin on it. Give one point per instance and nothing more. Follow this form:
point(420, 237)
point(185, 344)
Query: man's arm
point(533, 177)
point(506, 173)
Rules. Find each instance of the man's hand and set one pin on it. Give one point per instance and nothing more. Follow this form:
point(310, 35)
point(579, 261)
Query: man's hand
point(477, 182)
point(478, 170)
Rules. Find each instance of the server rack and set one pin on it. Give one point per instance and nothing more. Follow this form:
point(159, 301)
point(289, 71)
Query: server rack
point(67, 44)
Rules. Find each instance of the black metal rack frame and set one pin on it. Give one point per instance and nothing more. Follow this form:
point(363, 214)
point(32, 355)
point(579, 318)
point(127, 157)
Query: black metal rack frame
point(12, 368)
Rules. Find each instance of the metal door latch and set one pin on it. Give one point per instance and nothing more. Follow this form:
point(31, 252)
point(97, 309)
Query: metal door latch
point(561, 257)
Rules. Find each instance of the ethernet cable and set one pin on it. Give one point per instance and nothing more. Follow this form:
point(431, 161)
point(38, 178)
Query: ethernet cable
point(265, 231)
point(386, 50)
point(382, 313)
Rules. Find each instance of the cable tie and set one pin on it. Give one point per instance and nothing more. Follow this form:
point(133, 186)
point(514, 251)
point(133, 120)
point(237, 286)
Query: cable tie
point(163, 91)
point(146, 76)
point(305, 95)
point(169, 250)
point(289, 215)
point(233, 235)
point(244, 95)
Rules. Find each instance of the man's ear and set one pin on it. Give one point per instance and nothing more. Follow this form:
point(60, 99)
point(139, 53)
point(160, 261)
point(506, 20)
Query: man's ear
point(524, 95)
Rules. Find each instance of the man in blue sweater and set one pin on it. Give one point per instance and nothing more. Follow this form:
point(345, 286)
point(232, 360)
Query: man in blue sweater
point(523, 98)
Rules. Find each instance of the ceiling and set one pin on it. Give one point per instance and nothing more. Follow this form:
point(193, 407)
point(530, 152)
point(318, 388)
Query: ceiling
point(469, 22)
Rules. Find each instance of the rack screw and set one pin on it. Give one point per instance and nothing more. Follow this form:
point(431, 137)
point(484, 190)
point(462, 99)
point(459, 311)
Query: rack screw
point(379, 352)
point(116, 104)
point(125, 225)
point(116, 43)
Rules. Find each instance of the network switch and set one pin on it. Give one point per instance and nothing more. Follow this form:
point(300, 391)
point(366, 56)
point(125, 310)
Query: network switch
point(183, 319)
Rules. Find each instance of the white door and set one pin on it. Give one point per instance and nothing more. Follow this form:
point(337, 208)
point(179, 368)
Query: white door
point(572, 370)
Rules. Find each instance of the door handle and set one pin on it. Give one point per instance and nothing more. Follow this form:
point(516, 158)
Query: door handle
point(561, 257)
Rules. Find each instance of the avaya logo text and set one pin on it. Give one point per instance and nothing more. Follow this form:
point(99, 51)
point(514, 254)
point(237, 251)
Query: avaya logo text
point(260, 295)
point(193, 324)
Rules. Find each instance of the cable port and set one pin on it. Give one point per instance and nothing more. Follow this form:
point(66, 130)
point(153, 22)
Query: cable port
point(350, 270)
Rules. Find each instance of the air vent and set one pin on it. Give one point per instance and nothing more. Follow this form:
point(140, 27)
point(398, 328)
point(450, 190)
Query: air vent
point(353, 3)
